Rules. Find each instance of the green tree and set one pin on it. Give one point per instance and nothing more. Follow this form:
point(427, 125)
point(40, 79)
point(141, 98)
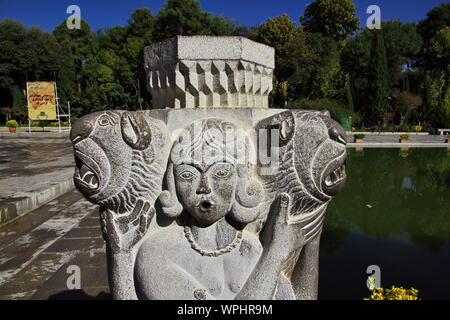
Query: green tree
point(437, 19)
point(405, 83)
point(185, 17)
point(20, 101)
point(276, 32)
point(440, 51)
point(101, 88)
point(28, 54)
point(428, 101)
point(66, 74)
point(240, 30)
point(141, 24)
point(349, 96)
point(82, 43)
point(140, 31)
point(354, 60)
point(279, 33)
point(378, 86)
point(12, 37)
point(312, 66)
point(434, 56)
point(112, 38)
point(402, 43)
point(333, 18)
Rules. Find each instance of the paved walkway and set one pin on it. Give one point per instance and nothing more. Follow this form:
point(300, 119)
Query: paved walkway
point(34, 169)
point(392, 141)
point(37, 250)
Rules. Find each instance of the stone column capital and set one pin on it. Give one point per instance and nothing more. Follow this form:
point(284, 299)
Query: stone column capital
point(208, 71)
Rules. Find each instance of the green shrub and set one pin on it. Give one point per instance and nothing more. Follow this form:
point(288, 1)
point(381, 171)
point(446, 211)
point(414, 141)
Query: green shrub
point(395, 293)
point(392, 128)
point(359, 136)
point(12, 124)
point(56, 124)
point(406, 128)
point(427, 127)
point(39, 123)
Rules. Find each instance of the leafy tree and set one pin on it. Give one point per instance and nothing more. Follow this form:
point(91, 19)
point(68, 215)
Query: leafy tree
point(434, 59)
point(440, 51)
point(405, 83)
point(240, 30)
point(82, 43)
point(140, 34)
point(185, 17)
point(434, 55)
point(402, 43)
point(12, 37)
point(404, 104)
point(311, 66)
point(428, 101)
point(112, 38)
point(141, 24)
point(333, 18)
point(276, 32)
point(378, 86)
point(349, 96)
point(279, 33)
point(66, 74)
point(437, 19)
point(354, 60)
point(101, 89)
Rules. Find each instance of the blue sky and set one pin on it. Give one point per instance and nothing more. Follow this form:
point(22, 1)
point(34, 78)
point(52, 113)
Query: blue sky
point(107, 13)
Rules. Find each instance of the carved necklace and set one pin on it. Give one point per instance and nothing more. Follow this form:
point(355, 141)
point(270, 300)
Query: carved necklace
point(215, 253)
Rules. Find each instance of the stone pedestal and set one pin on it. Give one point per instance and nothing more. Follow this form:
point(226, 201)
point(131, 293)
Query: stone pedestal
point(201, 71)
point(211, 194)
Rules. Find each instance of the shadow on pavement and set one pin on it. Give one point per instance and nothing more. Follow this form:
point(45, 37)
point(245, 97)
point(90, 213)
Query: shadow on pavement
point(79, 295)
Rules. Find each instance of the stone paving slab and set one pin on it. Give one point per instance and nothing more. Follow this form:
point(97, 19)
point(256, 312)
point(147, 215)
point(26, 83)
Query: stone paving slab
point(34, 169)
point(34, 259)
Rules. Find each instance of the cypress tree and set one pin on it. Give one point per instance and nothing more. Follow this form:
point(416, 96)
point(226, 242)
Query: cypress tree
point(378, 86)
point(427, 98)
point(348, 93)
point(405, 83)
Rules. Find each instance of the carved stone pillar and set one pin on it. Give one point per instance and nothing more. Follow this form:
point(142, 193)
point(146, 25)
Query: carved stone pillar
point(201, 71)
point(211, 194)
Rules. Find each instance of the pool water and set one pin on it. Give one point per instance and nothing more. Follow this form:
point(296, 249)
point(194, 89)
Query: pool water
point(394, 213)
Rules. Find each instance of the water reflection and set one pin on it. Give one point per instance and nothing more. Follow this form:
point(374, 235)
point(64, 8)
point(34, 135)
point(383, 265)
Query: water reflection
point(392, 201)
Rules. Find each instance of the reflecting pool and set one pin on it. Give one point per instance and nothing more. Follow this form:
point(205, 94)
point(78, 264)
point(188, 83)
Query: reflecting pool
point(394, 213)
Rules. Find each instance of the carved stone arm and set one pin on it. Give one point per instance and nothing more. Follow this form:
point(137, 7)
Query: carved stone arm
point(279, 239)
point(122, 234)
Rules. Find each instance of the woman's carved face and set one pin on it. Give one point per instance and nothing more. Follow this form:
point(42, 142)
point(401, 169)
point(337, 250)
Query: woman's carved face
point(206, 192)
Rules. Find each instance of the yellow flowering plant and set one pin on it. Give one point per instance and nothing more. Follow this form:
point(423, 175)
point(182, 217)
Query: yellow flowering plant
point(394, 293)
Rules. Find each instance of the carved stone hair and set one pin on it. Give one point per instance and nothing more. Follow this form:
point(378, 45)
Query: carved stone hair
point(146, 172)
point(208, 141)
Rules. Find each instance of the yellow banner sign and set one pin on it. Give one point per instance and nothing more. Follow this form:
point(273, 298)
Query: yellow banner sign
point(41, 100)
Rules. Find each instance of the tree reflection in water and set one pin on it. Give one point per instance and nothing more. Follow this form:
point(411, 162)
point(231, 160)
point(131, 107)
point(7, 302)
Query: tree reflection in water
point(393, 200)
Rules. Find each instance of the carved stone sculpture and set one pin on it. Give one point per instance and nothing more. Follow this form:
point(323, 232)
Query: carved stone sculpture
point(210, 203)
point(200, 71)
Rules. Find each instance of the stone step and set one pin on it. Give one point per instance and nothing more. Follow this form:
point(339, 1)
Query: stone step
point(16, 206)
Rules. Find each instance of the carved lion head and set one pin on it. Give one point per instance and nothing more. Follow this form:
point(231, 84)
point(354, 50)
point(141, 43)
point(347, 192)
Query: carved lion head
point(311, 149)
point(119, 158)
